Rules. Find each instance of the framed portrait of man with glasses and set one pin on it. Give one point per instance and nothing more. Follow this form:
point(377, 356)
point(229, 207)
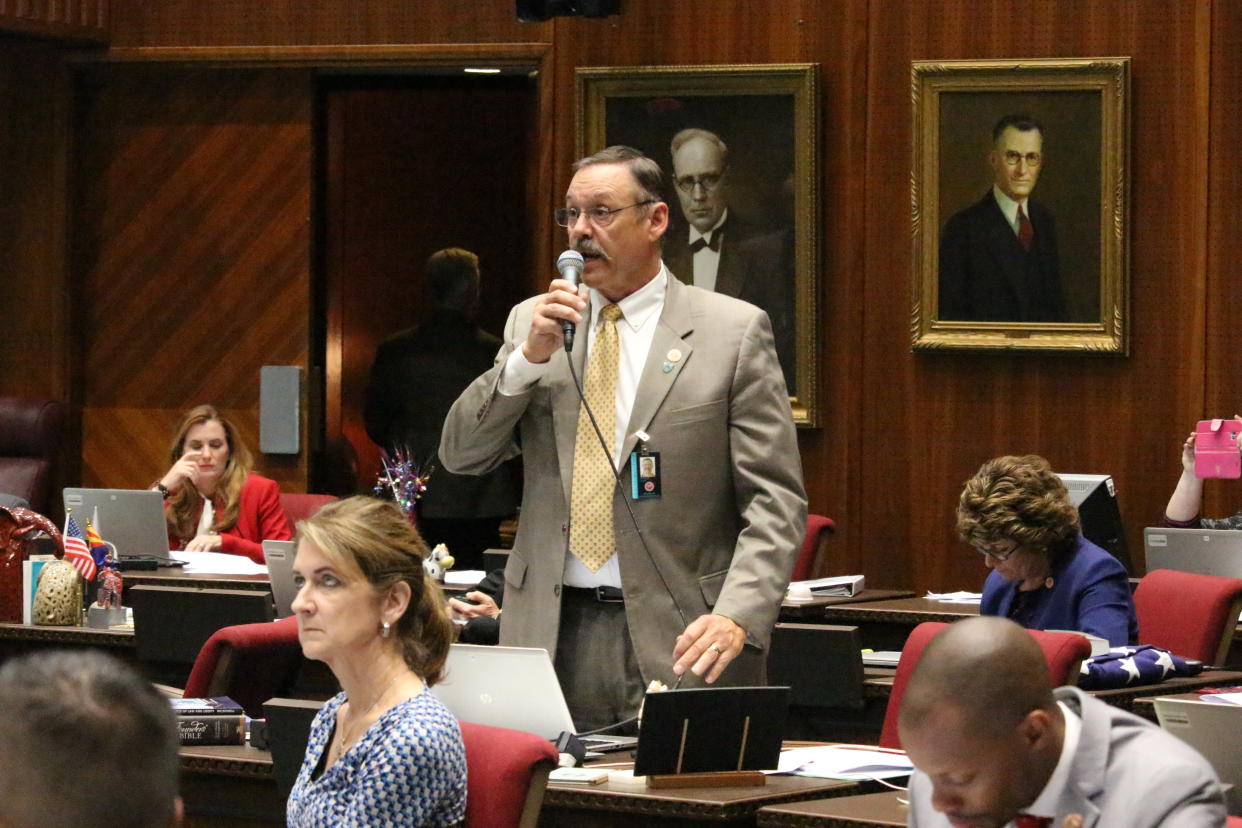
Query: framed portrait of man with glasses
point(737, 147)
point(1020, 193)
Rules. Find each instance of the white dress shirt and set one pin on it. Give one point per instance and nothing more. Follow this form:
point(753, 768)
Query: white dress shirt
point(706, 261)
point(1010, 208)
point(641, 315)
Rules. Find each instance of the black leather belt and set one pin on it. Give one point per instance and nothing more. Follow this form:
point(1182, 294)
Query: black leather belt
point(603, 594)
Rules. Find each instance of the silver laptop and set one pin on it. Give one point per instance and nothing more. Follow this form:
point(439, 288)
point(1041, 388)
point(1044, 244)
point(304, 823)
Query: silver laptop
point(1202, 551)
point(131, 519)
point(513, 687)
point(1201, 725)
point(279, 555)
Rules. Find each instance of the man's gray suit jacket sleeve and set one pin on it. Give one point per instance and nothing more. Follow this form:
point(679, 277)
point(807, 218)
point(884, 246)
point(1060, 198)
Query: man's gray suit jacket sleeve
point(479, 432)
point(767, 486)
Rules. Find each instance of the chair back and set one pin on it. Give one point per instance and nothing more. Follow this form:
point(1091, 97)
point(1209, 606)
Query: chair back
point(1190, 615)
point(31, 430)
point(249, 663)
point(818, 528)
point(301, 506)
point(1064, 653)
point(506, 774)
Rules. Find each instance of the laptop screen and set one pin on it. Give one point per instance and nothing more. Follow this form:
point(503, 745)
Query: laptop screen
point(513, 687)
point(130, 519)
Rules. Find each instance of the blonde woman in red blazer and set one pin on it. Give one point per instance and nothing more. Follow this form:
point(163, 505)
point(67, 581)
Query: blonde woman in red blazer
point(213, 501)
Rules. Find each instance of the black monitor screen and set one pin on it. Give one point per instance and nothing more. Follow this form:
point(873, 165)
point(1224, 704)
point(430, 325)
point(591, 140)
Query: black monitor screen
point(1096, 499)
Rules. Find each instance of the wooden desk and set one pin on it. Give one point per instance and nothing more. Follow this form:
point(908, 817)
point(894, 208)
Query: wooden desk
point(602, 805)
point(19, 639)
point(1126, 697)
point(814, 610)
point(865, 809)
point(172, 576)
point(236, 783)
point(229, 785)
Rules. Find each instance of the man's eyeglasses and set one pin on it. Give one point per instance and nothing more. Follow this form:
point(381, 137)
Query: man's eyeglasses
point(708, 182)
point(599, 216)
point(1000, 550)
point(1032, 159)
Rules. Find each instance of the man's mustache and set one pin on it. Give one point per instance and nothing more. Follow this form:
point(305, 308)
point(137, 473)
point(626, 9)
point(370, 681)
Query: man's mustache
point(589, 248)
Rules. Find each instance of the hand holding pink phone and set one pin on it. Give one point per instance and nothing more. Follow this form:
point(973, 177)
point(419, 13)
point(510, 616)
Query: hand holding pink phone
point(1216, 448)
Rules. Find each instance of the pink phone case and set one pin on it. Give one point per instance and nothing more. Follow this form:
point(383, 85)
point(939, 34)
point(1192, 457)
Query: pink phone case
point(1216, 448)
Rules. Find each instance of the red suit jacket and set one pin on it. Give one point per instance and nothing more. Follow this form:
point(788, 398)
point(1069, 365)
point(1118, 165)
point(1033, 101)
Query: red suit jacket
point(259, 518)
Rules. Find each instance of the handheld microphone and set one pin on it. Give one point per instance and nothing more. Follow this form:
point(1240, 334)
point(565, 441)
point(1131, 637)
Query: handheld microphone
point(570, 265)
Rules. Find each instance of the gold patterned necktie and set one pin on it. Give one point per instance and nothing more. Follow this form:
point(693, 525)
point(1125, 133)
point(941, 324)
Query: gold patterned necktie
point(590, 504)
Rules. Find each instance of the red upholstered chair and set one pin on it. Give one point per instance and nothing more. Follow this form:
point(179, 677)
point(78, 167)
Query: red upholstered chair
point(818, 528)
point(1064, 653)
point(301, 506)
point(31, 430)
point(249, 663)
point(506, 773)
point(1193, 616)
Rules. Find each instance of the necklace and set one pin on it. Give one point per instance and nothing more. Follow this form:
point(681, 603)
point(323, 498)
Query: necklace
point(344, 742)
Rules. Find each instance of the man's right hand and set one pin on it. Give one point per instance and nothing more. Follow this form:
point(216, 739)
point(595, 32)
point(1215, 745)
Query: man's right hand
point(483, 605)
point(562, 303)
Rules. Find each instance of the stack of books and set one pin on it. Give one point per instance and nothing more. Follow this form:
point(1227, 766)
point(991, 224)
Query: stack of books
point(215, 721)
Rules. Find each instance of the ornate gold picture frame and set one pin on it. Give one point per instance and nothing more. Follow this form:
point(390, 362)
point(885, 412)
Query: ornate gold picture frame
point(764, 196)
point(1020, 205)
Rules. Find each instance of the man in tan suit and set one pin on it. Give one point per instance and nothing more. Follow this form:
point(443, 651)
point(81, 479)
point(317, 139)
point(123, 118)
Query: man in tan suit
point(693, 583)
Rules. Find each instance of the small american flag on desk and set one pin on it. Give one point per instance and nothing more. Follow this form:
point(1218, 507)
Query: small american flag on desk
point(76, 550)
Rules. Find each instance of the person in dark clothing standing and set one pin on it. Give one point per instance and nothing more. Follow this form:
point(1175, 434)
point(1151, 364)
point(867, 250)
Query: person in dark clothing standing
point(417, 375)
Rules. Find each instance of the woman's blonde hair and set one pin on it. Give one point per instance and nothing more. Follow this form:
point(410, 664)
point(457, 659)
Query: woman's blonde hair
point(1018, 499)
point(372, 536)
point(226, 500)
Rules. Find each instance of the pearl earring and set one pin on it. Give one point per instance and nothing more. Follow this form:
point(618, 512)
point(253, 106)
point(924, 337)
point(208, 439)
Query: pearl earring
point(386, 629)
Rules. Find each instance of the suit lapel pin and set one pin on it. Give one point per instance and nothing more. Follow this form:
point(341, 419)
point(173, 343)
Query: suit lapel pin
point(671, 358)
point(666, 367)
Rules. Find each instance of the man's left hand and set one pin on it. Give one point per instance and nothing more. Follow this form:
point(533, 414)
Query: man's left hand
point(707, 646)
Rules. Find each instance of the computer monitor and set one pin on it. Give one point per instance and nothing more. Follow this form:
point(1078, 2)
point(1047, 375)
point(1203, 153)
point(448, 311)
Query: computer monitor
point(1095, 497)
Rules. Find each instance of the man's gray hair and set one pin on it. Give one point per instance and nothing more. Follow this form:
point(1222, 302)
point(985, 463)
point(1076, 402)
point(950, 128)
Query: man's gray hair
point(647, 173)
point(692, 133)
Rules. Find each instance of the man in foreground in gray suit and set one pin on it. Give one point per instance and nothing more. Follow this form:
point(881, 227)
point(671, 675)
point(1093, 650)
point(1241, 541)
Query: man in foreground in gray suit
point(688, 381)
point(993, 743)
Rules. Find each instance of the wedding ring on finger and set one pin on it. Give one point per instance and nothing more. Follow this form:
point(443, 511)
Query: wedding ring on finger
point(714, 648)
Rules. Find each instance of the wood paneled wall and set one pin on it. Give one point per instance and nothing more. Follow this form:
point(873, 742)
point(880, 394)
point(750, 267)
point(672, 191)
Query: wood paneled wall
point(192, 247)
point(901, 431)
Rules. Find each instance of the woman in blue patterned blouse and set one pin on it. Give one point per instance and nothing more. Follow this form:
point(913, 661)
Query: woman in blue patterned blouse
point(384, 751)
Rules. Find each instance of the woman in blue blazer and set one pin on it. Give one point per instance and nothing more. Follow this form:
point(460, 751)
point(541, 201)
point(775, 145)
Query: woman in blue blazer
point(1045, 574)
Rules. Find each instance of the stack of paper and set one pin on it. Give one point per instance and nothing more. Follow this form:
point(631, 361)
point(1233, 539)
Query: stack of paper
point(219, 563)
point(1223, 698)
point(844, 762)
point(955, 597)
point(844, 585)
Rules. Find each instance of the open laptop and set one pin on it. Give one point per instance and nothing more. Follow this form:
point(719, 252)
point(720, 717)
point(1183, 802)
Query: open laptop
point(513, 687)
point(279, 555)
point(130, 519)
point(1202, 551)
point(1201, 724)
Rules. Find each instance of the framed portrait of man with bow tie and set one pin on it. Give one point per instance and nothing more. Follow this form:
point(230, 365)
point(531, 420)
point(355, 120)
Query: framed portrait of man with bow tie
point(1019, 205)
point(736, 145)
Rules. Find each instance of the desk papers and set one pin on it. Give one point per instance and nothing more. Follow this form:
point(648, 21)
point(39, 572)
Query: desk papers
point(218, 563)
point(961, 597)
point(1223, 698)
point(844, 762)
point(838, 585)
point(464, 577)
